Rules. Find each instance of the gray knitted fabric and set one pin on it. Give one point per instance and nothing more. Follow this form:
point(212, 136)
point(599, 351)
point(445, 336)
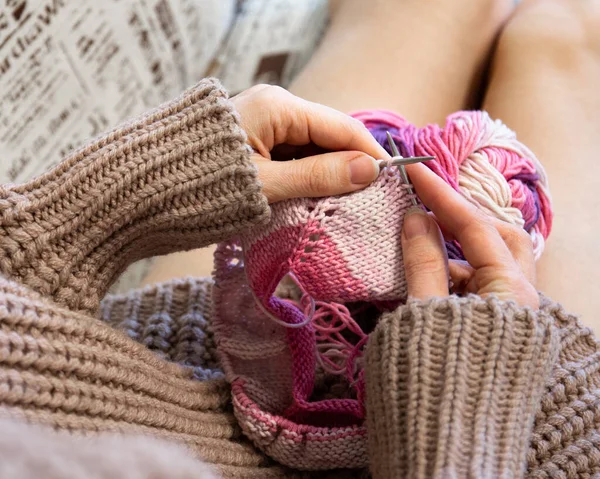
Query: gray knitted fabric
point(172, 320)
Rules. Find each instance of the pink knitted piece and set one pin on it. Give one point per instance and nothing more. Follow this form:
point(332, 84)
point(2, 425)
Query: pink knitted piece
point(345, 250)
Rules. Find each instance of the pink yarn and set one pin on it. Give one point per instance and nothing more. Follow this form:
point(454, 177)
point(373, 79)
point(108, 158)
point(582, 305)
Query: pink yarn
point(344, 250)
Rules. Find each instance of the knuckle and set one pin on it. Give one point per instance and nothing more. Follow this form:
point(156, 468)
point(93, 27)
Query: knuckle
point(258, 88)
point(251, 93)
point(423, 261)
point(274, 91)
point(315, 177)
point(356, 128)
point(479, 224)
point(517, 238)
point(482, 218)
point(263, 94)
point(357, 125)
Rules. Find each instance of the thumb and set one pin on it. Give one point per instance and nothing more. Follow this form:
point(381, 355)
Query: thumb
point(424, 253)
point(314, 176)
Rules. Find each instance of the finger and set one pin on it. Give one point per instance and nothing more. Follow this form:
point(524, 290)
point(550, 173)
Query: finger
point(481, 243)
point(517, 240)
point(445, 233)
point(462, 276)
point(315, 176)
point(334, 130)
point(424, 256)
point(520, 244)
point(272, 116)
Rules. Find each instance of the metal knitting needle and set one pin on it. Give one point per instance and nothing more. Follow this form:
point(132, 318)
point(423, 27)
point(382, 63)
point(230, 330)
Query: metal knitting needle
point(403, 173)
point(400, 160)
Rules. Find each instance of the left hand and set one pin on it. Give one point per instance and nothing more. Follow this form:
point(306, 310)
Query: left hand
point(337, 151)
point(499, 256)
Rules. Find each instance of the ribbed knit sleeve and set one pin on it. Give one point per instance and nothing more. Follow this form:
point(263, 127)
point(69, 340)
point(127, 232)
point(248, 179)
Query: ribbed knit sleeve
point(453, 386)
point(176, 178)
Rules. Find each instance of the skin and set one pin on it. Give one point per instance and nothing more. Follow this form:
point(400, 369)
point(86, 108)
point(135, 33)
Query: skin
point(272, 116)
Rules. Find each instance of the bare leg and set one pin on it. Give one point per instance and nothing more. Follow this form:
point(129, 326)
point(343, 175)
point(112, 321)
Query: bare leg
point(421, 58)
point(418, 57)
point(545, 85)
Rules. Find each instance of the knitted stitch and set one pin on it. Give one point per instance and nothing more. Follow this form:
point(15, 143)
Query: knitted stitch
point(453, 385)
point(172, 320)
point(473, 388)
point(177, 177)
point(327, 244)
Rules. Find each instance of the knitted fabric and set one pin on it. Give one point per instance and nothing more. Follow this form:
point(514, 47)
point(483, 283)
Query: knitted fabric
point(343, 250)
point(66, 369)
point(172, 320)
point(178, 177)
point(84, 377)
point(450, 373)
point(479, 388)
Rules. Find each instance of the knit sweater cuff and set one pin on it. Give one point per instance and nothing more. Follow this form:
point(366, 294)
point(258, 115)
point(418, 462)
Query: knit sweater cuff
point(453, 385)
point(179, 177)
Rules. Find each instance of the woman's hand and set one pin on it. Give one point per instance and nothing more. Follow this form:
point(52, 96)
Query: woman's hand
point(337, 152)
point(499, 256)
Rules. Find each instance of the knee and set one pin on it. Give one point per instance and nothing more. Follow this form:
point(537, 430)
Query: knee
point(560, 31)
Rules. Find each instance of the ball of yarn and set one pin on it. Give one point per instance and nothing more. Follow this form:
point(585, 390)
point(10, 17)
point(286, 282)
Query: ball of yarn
point(482, 159)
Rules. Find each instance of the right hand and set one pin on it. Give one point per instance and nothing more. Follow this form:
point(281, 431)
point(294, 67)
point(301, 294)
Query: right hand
point(499, 256)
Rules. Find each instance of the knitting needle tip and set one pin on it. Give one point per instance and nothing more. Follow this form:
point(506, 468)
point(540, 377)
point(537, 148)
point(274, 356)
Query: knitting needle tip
point(400, 161)
point(403, 173)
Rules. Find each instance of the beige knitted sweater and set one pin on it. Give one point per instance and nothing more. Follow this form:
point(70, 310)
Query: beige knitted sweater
point(130, 386)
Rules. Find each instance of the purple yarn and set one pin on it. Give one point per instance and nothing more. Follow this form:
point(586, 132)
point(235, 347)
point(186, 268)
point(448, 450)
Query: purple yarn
point(379, 132)
point(454, 250)
point(529, 180)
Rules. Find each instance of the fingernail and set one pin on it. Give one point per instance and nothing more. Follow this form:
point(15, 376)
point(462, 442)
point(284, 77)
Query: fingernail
point(363, 170)
point(416, 223)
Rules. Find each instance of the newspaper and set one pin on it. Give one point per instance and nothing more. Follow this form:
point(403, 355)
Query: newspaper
point(71, 69)
point(270, 42)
